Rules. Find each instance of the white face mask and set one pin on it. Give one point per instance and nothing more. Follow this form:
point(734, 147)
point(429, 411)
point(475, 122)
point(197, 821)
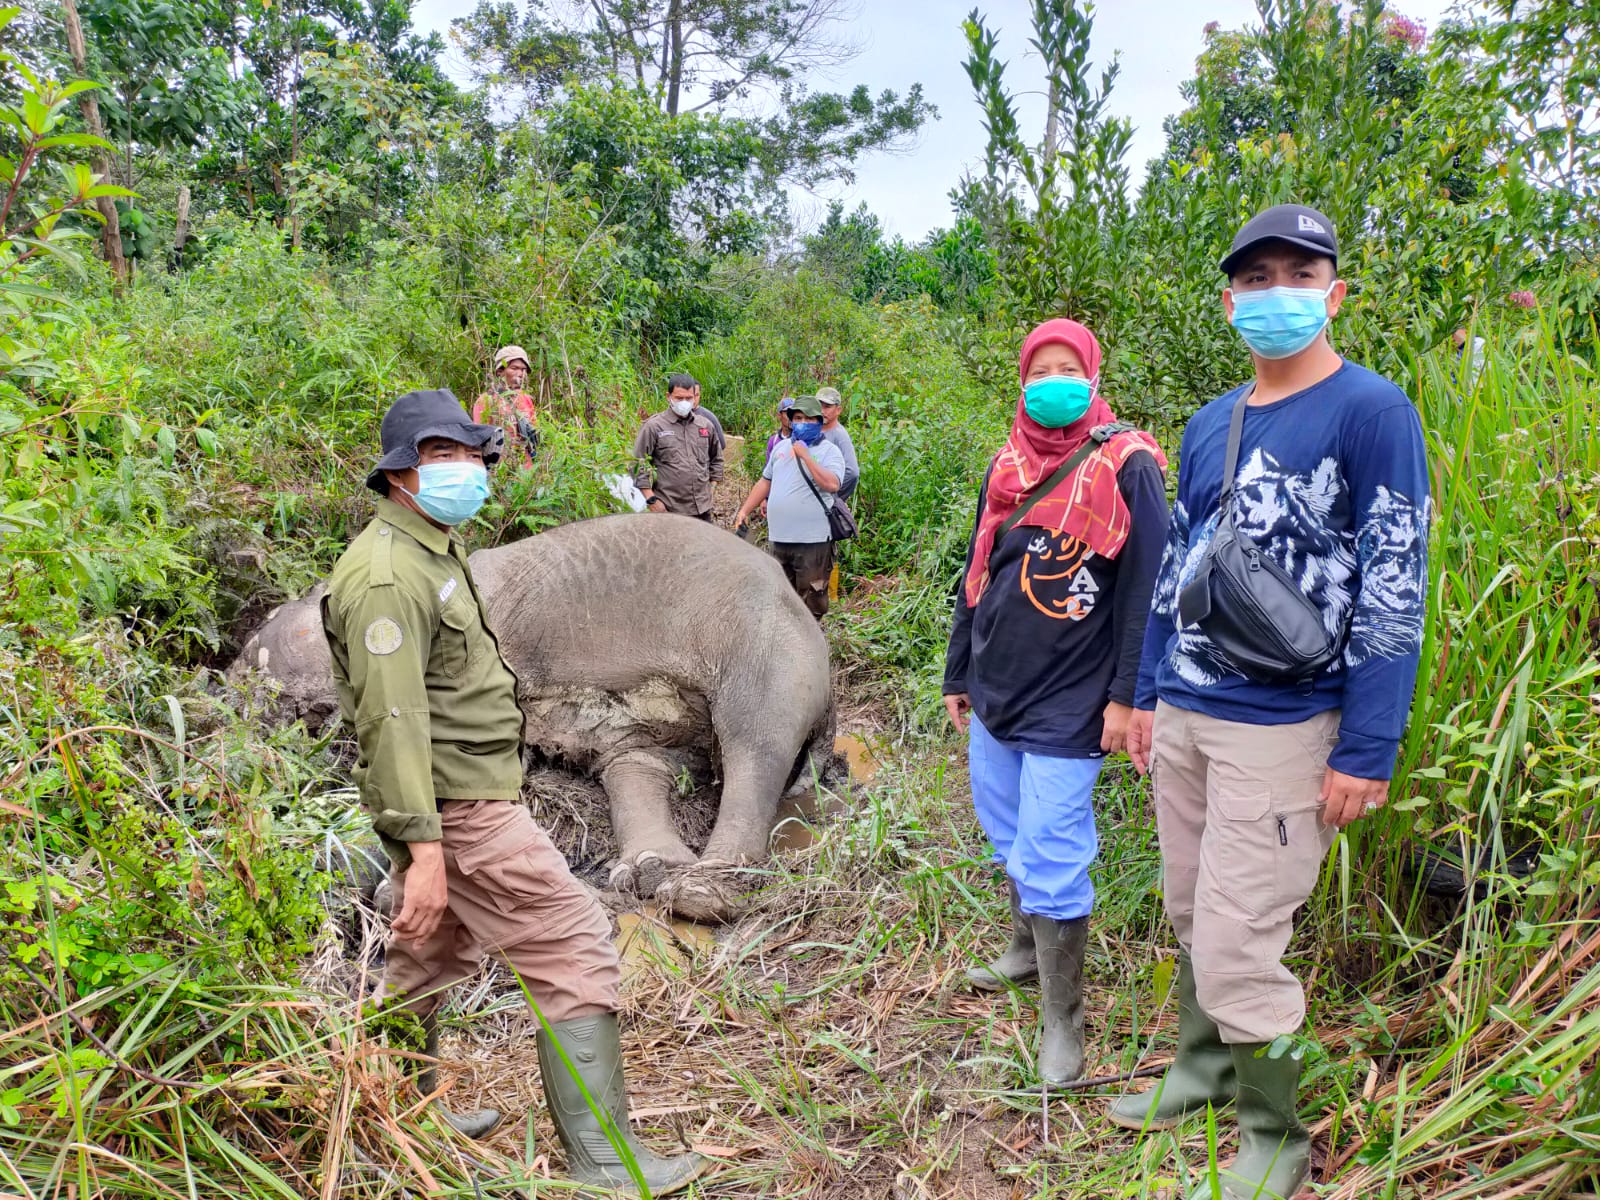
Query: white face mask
point(682, 407)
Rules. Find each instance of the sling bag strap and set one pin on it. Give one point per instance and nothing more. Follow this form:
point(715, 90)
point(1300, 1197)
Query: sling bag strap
point(1098, 436)
point(838, 530)
point(1194, 601)
point(1230, 462)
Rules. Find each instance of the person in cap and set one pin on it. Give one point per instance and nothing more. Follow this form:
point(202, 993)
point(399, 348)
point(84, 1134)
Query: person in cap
point(678, 455)
point(834, 431)
point(783, 431)
point(507, 405)
point(716, 424)
point(1276, 677)
point(798, 485)
point(1044, 655)
point(439, 732)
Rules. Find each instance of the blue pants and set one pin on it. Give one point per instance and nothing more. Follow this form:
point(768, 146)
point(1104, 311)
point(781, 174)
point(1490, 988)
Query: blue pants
point(1038, 812)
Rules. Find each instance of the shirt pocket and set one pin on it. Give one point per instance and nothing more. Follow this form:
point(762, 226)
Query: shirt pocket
point(459, 639)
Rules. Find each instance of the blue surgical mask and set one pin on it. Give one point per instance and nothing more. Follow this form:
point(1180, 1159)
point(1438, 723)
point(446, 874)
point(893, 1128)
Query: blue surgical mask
point(1057, 400)
point(807, 432)
point(1280, 322)
point(451, 492)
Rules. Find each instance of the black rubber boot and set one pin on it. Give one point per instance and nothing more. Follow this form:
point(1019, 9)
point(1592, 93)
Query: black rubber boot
point(478, 1124)
point(1201, 1074)
point(593, 1046)
point(1060, 946)
point(1017, 962)
point(1274, 1147)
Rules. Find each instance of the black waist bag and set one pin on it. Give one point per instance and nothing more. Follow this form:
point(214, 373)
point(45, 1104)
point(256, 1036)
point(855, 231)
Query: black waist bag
point(1247, 604)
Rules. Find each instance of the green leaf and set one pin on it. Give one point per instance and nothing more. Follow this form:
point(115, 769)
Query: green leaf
point(74, 139)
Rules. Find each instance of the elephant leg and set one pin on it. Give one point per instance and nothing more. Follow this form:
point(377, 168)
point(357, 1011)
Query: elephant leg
point(639, 785)
point(752, 783)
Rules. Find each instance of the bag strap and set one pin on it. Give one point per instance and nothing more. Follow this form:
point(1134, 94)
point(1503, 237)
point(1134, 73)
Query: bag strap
point(1230, 461)
point(815, 491)
point(1098, 436)
point(1194, 601)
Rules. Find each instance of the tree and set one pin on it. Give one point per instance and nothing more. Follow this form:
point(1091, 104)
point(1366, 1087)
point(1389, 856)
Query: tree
point(347, 97)
point(33, 110)
point(165, 84)
point(732, 58)
point(1054, 211)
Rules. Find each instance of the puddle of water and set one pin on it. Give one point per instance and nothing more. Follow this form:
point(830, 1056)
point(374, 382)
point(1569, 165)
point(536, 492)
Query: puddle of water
point(863, 762)
point(798, 815)
point(648, 940)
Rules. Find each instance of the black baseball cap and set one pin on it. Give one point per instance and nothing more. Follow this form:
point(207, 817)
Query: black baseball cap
point(1295, 224)
point(418, 416)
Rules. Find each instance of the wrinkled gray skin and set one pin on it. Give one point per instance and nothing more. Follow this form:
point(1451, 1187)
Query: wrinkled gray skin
point(640, 641)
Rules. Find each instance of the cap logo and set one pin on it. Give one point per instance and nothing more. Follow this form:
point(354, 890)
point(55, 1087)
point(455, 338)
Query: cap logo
point(1310, 224)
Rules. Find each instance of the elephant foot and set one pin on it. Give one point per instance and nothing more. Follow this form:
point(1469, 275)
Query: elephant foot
point(709, 892)
point(642, 873)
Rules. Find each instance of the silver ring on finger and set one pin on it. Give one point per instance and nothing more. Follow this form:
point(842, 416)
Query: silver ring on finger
point(1370, 806)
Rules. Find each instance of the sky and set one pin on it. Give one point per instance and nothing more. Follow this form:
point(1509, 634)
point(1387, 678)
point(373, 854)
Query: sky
point(920, 41)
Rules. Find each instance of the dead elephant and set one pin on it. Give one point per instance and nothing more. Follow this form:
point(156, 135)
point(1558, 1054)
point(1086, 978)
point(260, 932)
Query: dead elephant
point(641, 643)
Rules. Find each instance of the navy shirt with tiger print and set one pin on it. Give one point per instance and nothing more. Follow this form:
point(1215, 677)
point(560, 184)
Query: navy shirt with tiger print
point(1332, 483)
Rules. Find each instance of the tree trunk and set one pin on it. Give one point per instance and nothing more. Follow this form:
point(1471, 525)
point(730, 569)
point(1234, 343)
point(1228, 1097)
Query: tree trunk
point(112, 233)
point(674, 39)
point(294, 141)
point(181, 234)
point(1052, 123)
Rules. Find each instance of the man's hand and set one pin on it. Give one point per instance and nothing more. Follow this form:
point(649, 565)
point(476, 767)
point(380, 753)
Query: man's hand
point(1140, 734)
point(1114, 735)
point(1345, 798)
point(650, 503)
point(425, 894)
point(958, 705)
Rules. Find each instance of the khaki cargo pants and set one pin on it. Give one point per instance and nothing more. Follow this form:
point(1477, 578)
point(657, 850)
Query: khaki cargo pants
point(512, 896)
point(1238, 813)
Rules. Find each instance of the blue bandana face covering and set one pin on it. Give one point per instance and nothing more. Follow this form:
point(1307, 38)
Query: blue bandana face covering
point(451, 492)
point(1057, 400)
point(1282, 321)
point(806, 432)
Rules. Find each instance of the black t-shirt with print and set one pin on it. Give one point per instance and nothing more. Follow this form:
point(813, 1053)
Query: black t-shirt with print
point(1058, 632)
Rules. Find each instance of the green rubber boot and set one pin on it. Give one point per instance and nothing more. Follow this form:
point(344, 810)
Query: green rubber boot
point(593, 1045)
point(1274, 1147)
point(1061, 946)
point(478, 1124)
point(1200, 1074)
point(1017, 962)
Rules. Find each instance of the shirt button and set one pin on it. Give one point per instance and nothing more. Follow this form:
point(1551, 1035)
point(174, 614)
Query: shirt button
point(383, 533)
point(394, 712)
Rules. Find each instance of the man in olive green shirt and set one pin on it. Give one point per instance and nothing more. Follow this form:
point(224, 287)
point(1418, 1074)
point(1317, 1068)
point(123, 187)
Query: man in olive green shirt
point(439, 766)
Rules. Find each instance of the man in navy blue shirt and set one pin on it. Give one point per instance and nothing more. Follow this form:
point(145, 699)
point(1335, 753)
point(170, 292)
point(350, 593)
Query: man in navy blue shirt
point(1253, 778)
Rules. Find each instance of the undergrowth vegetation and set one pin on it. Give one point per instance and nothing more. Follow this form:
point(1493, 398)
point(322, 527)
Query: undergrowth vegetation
point(181, 1009)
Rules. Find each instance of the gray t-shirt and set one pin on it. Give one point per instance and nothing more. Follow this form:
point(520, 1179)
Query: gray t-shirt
point(840, 437)
point(793, 514)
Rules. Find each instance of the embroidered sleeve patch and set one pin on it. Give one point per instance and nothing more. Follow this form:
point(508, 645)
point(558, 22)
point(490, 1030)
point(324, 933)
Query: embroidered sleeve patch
point(383, 636)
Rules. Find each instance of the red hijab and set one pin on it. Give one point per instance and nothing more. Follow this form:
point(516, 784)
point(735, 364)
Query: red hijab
point(1087, 504)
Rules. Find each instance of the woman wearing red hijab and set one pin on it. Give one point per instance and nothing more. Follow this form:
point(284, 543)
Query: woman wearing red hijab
point(1044, 655)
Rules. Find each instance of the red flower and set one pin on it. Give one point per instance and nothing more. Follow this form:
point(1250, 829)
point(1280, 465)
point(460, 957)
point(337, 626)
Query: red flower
point(1403, 29)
